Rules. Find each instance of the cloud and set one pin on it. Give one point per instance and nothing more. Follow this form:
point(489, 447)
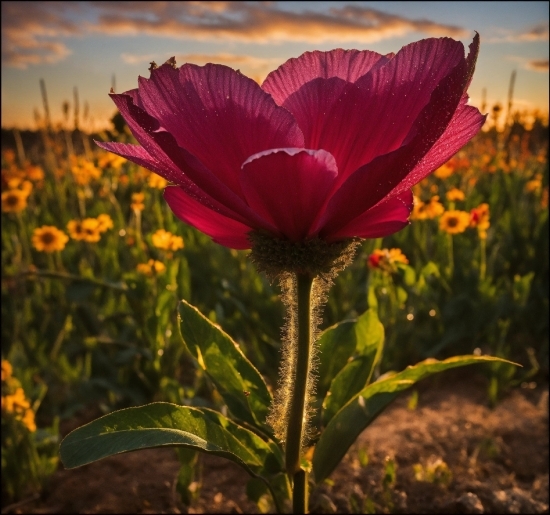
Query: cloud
point(31, 32)
point(260, 22)
point(538, 65)
point(35, 32)
point(538, 32)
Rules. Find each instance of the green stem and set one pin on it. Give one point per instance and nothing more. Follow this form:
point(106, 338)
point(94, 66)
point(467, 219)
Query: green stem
point(297, 415)
point(451, 255)
point(483, 259)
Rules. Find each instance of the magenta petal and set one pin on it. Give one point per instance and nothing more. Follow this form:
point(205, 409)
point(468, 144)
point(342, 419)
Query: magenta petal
point(221, 229)
point(347, 65)
point(288, 187)
point(463, 127)
point(378, 178)
point(385, 218)
point(137, 154)
point(181, 166)
point(204, 108)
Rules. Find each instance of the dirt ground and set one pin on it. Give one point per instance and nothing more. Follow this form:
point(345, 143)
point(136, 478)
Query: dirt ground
point(451, 454)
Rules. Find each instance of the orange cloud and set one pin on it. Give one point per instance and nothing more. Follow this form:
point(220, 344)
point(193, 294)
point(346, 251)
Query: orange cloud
point(538, 65)
point(33, 32)
point(261, 22)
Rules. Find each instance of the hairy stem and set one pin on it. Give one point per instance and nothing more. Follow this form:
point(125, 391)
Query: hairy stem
point(297, 409)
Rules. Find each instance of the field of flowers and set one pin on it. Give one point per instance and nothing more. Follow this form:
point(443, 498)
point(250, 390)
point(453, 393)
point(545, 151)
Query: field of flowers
point(94, 263)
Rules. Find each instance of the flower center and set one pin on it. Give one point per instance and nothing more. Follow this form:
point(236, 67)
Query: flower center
point(315, 256)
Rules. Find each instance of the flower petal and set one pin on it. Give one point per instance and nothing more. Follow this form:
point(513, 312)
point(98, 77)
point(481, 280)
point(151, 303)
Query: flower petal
point(385, 218)
point(463, 127)
point(179, 165)
point(374, 116)
point(221, 229)
point(378, 178)
point(205, 107)
point(347, 65)
point(288, 187)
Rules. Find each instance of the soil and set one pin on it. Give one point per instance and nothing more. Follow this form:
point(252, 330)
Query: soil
point(451, 453)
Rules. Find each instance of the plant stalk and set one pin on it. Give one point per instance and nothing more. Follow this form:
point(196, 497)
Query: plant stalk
point(297, 415)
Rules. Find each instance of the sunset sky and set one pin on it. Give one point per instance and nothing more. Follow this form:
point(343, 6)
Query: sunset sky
point(85, 44)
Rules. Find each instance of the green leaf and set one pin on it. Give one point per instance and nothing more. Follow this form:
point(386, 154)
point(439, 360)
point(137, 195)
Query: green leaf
point(364, 407)
point(357, 373)
point(164, 424)
point(350, 380)
point(237, 380)
point(341, 341)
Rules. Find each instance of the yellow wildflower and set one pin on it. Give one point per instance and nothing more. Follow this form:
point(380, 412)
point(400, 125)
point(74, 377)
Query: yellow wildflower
point(444, 171)
point(385, 259)
point(479, 217)
point(28, 420)
point(49, 239)
point(105, 222)
point(108, 160)
point(75, 229)
point(156, 181)
point(454, 222)
point(166, 240)
point(151, 267)
point(535, 184)
point(34, 173)
point(14, 201)
point(91, 230)
point(434, 208)
point(455, 194)
point(137, 201)
point(6, 370)
point(84, 171)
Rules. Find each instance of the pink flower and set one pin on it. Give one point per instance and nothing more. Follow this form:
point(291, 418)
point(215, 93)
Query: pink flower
point(328, 147)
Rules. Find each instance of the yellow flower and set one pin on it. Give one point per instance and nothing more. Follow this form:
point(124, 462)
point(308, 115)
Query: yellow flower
point(20, 406)
point(427, 210)
point(6, 370)
point(137, 201)
point(151, 267)
point(480, 218)
point(434, 208)
point(49, 239)
point(454, 222)
point(108, 160)
point(75, 229)
point(91, 230)
point(34, 173)
point(385, 259)
point(14, 201)
point(84, 171)
point(105, 222)
point(166, 240)
point(418, 212)
point(26, 187)
point(28, 420)
point(444, 171)
point(534, 184)
point(156, 181)
point(455, 194)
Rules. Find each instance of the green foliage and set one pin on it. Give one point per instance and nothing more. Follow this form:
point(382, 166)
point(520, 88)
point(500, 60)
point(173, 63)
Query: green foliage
point(235, 378)
point(365, 406)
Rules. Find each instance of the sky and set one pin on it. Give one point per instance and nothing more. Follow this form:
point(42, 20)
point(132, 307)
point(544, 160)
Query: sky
point(91, 46)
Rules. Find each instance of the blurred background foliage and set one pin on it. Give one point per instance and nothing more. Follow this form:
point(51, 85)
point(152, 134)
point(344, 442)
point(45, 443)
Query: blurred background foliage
point(94, 263)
